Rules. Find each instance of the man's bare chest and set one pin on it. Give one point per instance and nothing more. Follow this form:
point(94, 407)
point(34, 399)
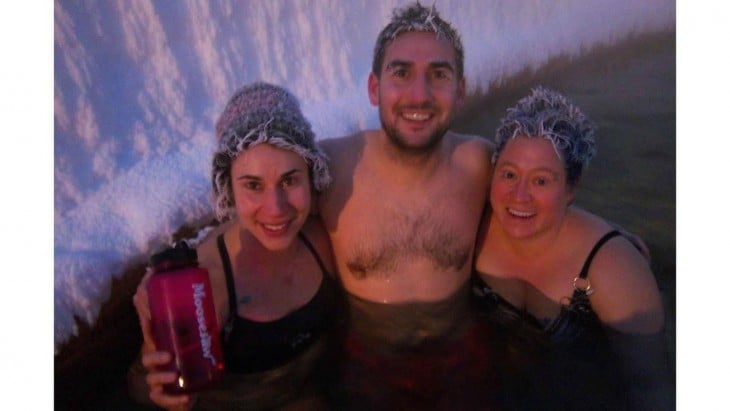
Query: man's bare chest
point(382, 231)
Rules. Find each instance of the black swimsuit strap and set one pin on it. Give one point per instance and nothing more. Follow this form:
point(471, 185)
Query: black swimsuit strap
point(232, 306)
point(599, 244)
point(580, 295)
point(312, 250)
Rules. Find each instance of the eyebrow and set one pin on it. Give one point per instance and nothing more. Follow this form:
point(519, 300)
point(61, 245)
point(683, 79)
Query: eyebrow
point(442, 64)
point(255, 177)
point(539, 169)
point(432, 65)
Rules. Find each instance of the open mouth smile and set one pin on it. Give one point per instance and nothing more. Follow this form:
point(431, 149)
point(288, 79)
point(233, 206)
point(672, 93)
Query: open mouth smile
point(275, 228)
point(520, 214)
point(414, 116)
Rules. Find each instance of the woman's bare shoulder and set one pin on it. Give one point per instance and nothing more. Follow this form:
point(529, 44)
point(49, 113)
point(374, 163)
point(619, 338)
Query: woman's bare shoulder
point(208, 254)
point(626, 296)
point(472, 151)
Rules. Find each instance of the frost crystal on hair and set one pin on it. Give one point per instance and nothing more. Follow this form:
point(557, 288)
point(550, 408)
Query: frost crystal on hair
point(418, 18)
point(262, 113)
point(548, 114)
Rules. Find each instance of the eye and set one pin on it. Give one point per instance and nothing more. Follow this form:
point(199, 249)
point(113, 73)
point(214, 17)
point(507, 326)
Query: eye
point(508, 175)
point(542, 181)
point(290, 181)
point(400, 73)
point(252, 185)
point(442, 74)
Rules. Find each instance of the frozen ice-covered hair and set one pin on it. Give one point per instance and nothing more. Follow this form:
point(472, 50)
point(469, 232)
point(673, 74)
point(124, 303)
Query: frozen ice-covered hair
point(262, 113)
point(548, 114)
point(416, 17)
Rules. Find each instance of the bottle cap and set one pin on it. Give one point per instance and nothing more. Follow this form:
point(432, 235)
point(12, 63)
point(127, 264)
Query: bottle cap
point(180, 253)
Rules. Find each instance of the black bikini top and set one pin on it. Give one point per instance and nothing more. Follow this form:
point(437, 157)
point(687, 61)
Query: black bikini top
point(576, 318)
point(252, 346)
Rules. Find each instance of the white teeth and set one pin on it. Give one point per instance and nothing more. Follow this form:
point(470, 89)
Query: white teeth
point(275, 227)
point(416, 116)
point(522, 214)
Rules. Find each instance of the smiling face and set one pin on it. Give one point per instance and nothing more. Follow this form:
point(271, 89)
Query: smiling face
point(529, 193)
point(418, 90)
point(272, 192)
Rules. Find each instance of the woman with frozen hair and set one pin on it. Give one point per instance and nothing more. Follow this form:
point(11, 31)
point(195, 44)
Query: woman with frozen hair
point(564, 274)
point(270, 262)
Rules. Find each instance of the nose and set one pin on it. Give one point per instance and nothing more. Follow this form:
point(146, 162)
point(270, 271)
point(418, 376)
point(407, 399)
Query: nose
point(522, 191)
point(420, 89)
point(275, 202)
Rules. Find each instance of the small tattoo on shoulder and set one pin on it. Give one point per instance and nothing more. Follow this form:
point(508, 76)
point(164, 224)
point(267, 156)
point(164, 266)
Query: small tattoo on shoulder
point(245, 299)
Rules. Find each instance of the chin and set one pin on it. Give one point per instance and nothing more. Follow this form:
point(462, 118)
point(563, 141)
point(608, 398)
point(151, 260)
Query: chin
point(276, 241)
point(519, 229)
point(278, 244)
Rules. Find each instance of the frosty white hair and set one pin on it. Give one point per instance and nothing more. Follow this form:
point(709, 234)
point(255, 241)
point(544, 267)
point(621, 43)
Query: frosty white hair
point(547, 114)
point(418, 18)
point(262, 113)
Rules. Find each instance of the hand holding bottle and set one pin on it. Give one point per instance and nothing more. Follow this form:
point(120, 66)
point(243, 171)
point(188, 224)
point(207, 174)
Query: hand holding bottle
point(156, 380)
point(152, 360)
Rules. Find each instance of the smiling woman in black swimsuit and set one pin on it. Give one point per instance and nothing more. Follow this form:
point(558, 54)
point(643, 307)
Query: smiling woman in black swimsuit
point(270, 262)
point(564, 273)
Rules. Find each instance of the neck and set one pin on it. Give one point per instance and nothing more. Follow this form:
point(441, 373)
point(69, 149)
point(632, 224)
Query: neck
point(258, 254)
point(530, 249)
point(419, 162)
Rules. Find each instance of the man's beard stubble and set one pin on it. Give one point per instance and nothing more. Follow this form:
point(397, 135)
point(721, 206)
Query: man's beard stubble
point(399, 142)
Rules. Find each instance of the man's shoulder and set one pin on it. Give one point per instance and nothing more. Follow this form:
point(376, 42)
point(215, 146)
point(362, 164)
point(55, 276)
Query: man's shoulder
point(471, 149)
point(338, 147)
point(473, 141)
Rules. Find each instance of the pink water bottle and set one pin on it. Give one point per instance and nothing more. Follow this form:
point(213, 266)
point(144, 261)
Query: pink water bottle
point(183, 319)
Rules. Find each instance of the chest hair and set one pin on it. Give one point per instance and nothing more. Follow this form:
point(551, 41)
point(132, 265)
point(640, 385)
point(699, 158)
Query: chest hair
point(408, 237)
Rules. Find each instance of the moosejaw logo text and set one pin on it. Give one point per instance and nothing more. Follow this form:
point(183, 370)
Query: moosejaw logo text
point(198, 295)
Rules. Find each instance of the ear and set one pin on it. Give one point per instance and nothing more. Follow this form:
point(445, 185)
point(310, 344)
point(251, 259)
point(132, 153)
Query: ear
point(314, 198)
point(373, 82)
point(572, 191)
point(461, 92)
point(314, 208)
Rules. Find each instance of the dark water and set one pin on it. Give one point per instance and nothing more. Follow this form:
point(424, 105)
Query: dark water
point(628, 90)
